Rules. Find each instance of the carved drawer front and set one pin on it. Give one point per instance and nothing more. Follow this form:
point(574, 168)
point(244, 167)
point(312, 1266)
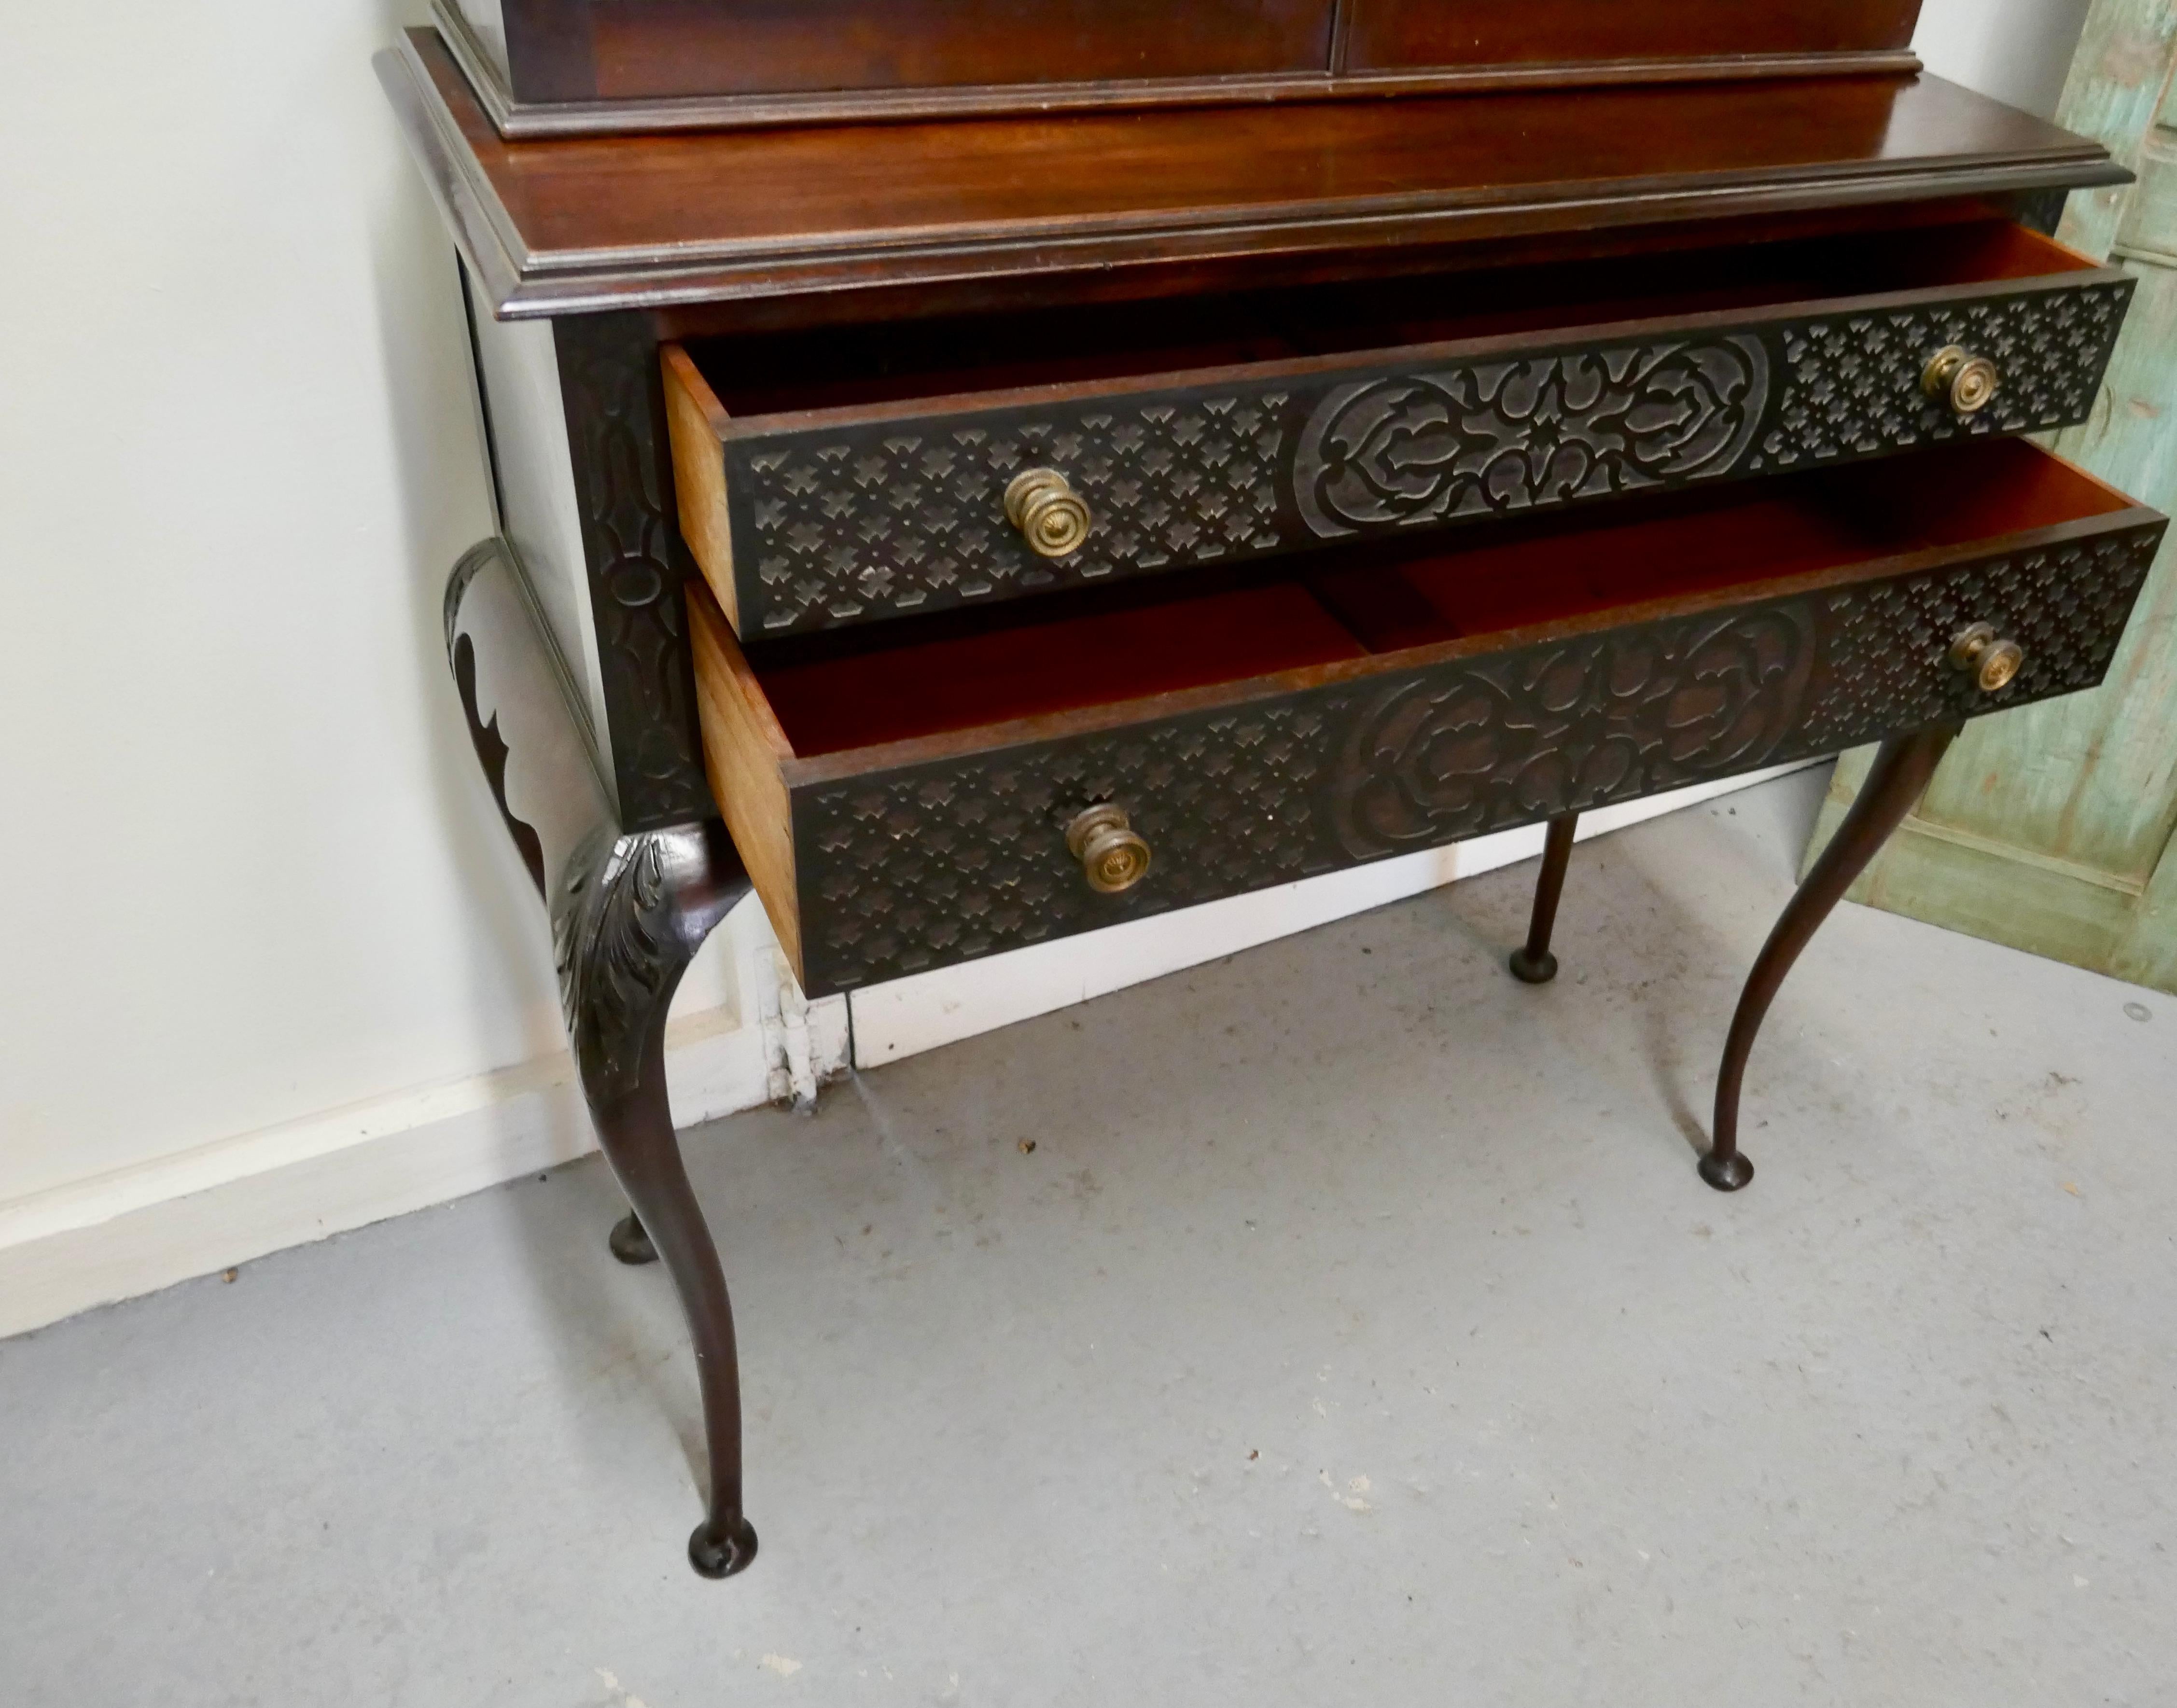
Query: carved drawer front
point(889, 858)
point(850, 515)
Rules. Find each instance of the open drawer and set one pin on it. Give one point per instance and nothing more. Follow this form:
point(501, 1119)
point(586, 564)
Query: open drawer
point(1066, 766)
point(837, 479)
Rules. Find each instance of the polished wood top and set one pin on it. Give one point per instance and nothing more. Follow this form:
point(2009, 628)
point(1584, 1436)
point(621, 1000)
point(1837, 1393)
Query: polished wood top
point(583, 224)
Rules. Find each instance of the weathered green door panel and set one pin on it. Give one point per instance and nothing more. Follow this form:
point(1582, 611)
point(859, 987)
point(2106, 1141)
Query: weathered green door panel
point(2050, 828)
point(2093, 778)
point(2088, 779)
point(2147, 955)
point(2120, 78)
point(1991, 889)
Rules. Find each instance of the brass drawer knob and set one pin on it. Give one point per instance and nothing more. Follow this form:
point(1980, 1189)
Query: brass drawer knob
point(1969, 382)
point(1112, 856)
point(1048, 512)
point(1992, 662)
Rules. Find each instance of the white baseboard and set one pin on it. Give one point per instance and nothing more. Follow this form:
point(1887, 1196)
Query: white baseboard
point(921, 1012)
point(138, 1230)
point(130, 1232)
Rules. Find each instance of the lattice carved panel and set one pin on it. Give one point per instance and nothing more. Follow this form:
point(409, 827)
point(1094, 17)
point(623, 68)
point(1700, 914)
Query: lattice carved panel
point(894, 520)
point(1851, 385)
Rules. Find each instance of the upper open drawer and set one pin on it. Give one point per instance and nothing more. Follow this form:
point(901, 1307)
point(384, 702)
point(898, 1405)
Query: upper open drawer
point(845, 478)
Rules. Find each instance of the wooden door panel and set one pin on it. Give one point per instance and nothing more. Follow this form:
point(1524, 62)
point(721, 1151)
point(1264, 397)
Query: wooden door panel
point(1401, 33)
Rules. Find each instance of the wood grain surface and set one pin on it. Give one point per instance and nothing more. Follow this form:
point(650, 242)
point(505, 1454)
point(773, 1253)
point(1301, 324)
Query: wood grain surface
point(569, 225)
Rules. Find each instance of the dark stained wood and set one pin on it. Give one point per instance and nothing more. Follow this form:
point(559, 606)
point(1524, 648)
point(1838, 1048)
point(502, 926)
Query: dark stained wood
point(917, 851)
point(1399, 33)
point(1043, 670)
point(898, 793)
point(1532, 962)
point(811, 501)
point(1003, 673)
point(1894, 783)
point(548, 49)
point(668, 48)
point(581, 69)
point(626, 932)
point(640, 61)
point(579, 224)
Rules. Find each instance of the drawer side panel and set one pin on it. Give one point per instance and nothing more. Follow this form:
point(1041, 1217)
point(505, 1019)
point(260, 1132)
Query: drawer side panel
point(743, 747)
point(935, 864)
point(696, 424)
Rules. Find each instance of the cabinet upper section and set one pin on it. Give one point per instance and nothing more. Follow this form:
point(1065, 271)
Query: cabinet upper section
point(1182, 199)
point(563, 67)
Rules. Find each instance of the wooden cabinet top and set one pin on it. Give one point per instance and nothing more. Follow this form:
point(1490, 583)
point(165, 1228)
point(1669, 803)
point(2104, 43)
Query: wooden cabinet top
point(754, 217)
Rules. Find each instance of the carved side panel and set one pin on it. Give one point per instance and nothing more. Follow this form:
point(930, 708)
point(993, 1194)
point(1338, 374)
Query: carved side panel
point(947, 862)
point(624, 487)
point(857, 521)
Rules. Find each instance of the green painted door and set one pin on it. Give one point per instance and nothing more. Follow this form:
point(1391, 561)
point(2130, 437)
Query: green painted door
point(2050, 828)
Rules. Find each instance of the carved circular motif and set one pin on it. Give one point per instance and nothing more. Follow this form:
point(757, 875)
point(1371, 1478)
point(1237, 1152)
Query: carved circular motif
point(1497, 436)
point(1600, 718)
point(636, 583)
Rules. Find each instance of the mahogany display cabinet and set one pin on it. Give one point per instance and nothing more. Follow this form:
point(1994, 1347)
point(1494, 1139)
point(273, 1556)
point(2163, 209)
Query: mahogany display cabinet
point(968, 527)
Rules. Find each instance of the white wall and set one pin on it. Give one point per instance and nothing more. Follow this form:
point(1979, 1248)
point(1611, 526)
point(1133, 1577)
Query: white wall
point(2017, 51)
point(248, 877)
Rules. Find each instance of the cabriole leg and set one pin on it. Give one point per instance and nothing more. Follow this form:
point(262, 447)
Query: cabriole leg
point(1899, 776)
point(630, 915)
point(627, 914)
point(1535, 964)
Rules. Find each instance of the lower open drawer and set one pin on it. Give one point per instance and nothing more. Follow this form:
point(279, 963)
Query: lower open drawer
point(925, 797)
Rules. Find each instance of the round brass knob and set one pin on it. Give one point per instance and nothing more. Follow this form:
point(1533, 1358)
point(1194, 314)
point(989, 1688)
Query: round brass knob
point(1993, 661)
point(1112, 856)
point(1969, 382)
point(1048, 512)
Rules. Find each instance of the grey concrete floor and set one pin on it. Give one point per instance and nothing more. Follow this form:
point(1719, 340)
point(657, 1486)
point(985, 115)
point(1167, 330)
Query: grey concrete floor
point(1356, 1331)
